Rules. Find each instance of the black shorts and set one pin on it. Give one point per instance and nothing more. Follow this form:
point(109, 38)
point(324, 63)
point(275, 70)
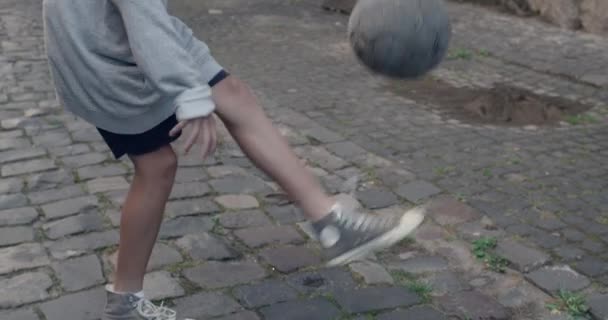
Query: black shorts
point(151, 140)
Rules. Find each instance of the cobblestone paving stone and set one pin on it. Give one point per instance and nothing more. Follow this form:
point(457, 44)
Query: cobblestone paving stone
point(233, 248)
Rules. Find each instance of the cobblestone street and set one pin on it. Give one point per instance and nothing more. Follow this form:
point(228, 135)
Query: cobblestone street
point(233, 248)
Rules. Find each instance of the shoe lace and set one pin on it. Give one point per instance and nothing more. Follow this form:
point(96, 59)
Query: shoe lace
point(150, 311)
point(362, 222)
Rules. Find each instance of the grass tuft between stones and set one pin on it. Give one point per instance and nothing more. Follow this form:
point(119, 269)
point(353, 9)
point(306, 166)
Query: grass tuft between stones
point(571, 303)
point(483, 249)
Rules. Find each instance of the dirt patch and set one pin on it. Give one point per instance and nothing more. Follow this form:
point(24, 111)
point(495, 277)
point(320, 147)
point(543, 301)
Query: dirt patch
point(501, 105)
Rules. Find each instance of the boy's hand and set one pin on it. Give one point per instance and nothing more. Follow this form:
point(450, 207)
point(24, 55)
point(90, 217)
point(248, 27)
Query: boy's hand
point(204, 132)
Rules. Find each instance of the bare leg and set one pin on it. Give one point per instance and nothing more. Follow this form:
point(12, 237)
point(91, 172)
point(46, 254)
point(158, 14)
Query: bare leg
point(246, 121)
point(142, 215)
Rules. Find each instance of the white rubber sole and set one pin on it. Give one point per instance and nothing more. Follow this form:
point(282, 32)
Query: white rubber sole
point(410, 220)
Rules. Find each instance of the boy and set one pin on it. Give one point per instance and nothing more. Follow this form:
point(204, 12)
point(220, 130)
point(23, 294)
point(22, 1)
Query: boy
point(140, 76)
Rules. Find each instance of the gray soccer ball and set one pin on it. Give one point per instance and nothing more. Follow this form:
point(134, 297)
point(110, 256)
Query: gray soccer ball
point(400, 38)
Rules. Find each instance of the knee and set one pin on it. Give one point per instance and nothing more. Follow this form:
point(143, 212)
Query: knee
point(160, 165)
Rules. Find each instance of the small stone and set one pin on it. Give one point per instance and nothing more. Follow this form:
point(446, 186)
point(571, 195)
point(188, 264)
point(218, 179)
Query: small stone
point(244, 219)
point(203, 246)
point(19, 216)
point(76, 224)
point(264, 293)
point(237, 202)
point(569, 252)
point(448, 211)
point(371, 272)
point(190, 207)
point(552, 279)
point(206, 305)
point(24, 314)
point(417, 190)
point(84, 305)
point(215, 11)
point(24, 288)
point(377, 198)
point(11, 185)
point(50, 180)
point(269, 235)
point(20, 155)
point(189, 190)
point(213, 275)
point(15, 235)
point(376, 298)
point(521, 257)
point(472, 303)
point(79, 273)
point(599, 306)
point(592, 266)
point(415, 313)
point(78, 245)
point(10, 201)
point(160, 285)
point(107, 184)
point(420, 264)
point(317, 308)
point(29, 166)
point(100, 171)
point(475, 230)
point(82, 160)
point(25, 256)
point(241, 184)
point(46, 196)
point(288, 259)
point(221, 171)
point(69, 207)
point(186, 225)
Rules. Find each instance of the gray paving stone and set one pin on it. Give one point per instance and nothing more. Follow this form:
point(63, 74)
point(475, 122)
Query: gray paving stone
point(75, 224)
point(285, 214)
point(573, 234)
point(264, 293)
point(10, 201)
point(24, 314)
point(473, 305)
point(420, 264)
point(79, 273)
point(78, 245)
point(377, 198)
point(376, 298)
point(186, 225)
point(569, 252)
point(70, 207)
point(23, 289)
point(237, 202)
point(160, 285)
point(599, 305)
point(24, 256)
point(288, 259)
point(19, 216)
point(49, 180)
point(245, 315)
point(213, 275)
point(268, 235)
point(591, 266)
point(162, 256)
point(190, 207)
point(203, 246)
point(244, 219)
point(448, 211)
point(15, 235)
point(345, 149)
point(322, 281)
point(83, 160)
point(100, 171)
point(322, 135)
point(189, 190)
point(317, 308)
point(593, 246)
point(521, 257)
point(417, 190)
point(206, 305)
point(415, 313)
point(223, 170)
point(69, 150)
point(555, 278)
point(191, 175)
point(241, 184)
point(321, 157)
point(447, 282)
point(11, 185)
point(371, 272)
point(101, 185)
point(20, 155)
point(46, 196)
point(84, 305)
point(28, 166)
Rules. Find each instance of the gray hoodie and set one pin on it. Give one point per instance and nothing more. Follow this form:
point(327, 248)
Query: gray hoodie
point(126, 65)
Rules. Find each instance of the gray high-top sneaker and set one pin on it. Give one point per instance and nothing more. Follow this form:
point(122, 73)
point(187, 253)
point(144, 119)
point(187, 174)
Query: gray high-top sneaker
point(347, 234)
point(130, 307)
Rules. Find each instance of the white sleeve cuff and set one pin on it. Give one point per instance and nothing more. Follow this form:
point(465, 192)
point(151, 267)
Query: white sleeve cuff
point(194, 103)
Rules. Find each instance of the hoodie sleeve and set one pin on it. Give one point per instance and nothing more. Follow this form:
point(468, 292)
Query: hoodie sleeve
point(162, 56)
